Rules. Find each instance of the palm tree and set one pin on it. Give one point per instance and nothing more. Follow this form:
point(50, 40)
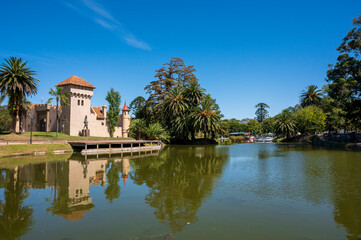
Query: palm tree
point(60, 96)
point(206, 116)
point(285, 125)
point(156, 131)
point(24, 108)
point(194, 93)
point(311, 96)
point(138, 128)
point(175, 103)
point(261, 112)
point(16, 82)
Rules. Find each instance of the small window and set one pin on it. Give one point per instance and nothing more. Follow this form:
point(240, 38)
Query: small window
point(82, 102)
point(78, 102)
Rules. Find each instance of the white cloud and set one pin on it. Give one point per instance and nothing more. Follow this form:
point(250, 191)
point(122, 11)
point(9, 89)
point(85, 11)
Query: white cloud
point(95, 11)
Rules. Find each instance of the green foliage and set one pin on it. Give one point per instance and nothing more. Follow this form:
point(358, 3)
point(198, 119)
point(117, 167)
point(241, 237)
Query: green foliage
point(113, 98)
point(16, 82)
point(254, 126)
point(285, 124)
point(138, 128)
point(261, 112)
point(310, 119)
point(311, 97)
point(233, 125)
point(344, 82)
point(60, 96)
point(138, 107)
point(5, 119)
point(269, 125)
point(156, 131)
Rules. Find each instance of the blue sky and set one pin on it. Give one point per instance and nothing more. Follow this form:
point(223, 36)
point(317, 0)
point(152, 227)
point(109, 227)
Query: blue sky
point(245, 52)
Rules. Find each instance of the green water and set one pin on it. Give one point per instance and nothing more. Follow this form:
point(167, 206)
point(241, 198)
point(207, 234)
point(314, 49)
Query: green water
point(246, 191)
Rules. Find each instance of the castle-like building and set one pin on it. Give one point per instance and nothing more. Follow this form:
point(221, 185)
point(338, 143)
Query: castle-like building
point(72, 117)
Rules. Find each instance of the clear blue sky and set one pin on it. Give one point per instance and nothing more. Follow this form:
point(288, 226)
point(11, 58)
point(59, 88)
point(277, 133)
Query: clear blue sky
point(245, 52)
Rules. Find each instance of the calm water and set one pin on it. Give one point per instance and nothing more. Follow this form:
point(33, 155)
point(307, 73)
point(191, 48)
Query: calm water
point(247, 191)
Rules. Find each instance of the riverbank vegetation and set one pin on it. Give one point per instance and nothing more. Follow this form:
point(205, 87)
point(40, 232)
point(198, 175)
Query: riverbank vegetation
point(28, 149)
point(177, 107)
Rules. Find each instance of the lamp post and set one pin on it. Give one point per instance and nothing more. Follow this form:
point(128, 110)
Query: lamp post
point(31, 130)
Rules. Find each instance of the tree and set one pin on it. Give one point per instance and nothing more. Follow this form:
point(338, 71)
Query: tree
point(261, 112)
point(344, 78)
point(311, 97)
point(172, 74)
point(16, 82)
point(138, 128)
point(194, 94)
point(310, 119)
point(269, 125)
point(62, 98)
point(206, 116)
point(5, 119)
point(138, 107)
point(113, 98)
point(254, 126)
point(285, 124)
point(156, 131)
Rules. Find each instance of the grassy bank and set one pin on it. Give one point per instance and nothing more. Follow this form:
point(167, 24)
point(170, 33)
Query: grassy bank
point(11, 162)
point(24, 149)
point(45, 136)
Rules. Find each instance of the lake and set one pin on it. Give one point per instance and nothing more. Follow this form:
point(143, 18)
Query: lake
point(244, 191)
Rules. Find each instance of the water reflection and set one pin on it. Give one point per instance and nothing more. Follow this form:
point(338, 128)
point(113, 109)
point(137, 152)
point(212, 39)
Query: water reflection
point(15, 218)
point(179, 180)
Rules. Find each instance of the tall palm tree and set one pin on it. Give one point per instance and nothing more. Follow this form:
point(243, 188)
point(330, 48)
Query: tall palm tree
point(311, 96)
point(175, 103)
point(60, 96)
point(16, 81)
point(24, 108)
point(206, 116)
point(285, 125)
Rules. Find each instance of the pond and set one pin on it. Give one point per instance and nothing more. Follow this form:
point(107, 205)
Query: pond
point(244, 191)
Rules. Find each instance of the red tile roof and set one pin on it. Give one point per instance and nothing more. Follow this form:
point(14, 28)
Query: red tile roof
point(98, 111)
point(125, 108)
point(74, 80)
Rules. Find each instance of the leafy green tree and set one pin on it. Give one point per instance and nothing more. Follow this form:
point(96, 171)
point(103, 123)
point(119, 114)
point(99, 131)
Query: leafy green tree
point(344, 78)
point(60, 97)
point(5, 119)
point(138, 107)
point(156, 131)
point(138, 128)
point(261, 112)
point(16, 82)
point(113, 189)
point(113, 98)
point(311, 97)
point(254, 126)
point(172, 74)
point(310, 119)
point(269, 125)
point(285, 123)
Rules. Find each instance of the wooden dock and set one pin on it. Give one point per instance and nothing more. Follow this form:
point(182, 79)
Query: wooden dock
point(103, 146)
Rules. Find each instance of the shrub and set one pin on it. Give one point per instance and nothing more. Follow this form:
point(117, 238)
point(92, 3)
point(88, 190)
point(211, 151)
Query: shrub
point(236, 139)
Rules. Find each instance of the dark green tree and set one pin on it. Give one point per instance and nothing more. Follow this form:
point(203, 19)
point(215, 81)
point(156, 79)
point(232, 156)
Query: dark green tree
point(261, 112)
point(16, 82)
point(311, 97)
point(113, 98)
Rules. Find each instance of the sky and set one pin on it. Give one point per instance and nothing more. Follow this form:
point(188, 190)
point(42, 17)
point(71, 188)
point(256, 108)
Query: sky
point(245, 52)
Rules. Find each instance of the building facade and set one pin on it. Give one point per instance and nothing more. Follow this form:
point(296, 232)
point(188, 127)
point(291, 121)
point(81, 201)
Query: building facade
point(78, 115)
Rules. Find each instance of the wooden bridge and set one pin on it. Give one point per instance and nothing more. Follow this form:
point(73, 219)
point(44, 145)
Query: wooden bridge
point(103, 146)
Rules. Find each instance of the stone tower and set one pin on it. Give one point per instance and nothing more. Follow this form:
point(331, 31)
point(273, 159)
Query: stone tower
point(72, 116)
point(125, 120)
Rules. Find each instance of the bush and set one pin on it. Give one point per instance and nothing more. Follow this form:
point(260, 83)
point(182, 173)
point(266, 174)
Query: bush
point(5, 119)
point(237, 139)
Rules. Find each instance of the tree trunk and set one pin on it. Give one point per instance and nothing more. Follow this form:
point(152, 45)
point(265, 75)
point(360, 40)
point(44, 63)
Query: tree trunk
point(57, 117)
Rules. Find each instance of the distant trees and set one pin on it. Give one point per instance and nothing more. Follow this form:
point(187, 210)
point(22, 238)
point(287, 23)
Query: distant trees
point(261, 112)
point(62, 98)
point(16, 82)
point(113, 98)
